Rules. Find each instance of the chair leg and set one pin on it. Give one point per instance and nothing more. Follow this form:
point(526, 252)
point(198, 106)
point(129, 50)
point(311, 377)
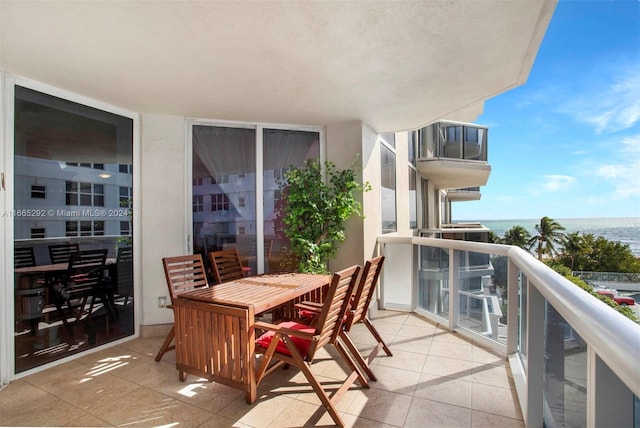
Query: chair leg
point(375, 333)
point(166, 345)
point(355, 353)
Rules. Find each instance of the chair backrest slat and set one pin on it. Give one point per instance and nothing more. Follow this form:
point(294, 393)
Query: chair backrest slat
point(184, 273)
point(335, 306)
point(61, 253)
point(24, 257)
point(364, 290)
point(226, 265)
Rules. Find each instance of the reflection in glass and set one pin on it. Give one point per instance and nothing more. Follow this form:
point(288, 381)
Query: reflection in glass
point(282, 149)
point(388, 189)
point(224, 191)
point(69, 174)
point(565, 373)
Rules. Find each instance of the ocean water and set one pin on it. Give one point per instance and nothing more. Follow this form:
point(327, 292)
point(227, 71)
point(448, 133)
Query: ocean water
point(623, 230)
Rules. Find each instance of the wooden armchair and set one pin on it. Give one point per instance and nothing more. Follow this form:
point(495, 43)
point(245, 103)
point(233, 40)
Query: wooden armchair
point(226, 265)
point(183, 273)
point(84, 279)
point(297, 344)
point(357, 313)
point(23, 257)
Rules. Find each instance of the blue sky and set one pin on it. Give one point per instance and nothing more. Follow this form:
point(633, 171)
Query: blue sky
point(566, 144)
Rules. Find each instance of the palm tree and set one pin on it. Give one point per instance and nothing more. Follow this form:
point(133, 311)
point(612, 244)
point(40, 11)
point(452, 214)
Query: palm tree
point(574, 247)
point(517, 235)
point(549, 234)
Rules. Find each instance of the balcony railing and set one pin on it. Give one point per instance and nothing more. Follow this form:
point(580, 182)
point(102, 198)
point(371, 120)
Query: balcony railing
point(453, 140)
point(573, 358)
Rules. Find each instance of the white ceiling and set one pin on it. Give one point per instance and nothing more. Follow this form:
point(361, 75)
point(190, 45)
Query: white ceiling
point(393, 65)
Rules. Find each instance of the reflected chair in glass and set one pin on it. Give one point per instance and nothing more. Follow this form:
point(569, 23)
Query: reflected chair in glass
point(83, 279)
point(183, 273)
point(296, 344)
point(61, 253)
point(226, 265)
point(124, 274)
point(23, 257)
point(357, 313)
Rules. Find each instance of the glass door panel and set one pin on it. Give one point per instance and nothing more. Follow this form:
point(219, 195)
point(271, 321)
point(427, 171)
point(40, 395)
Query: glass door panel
point(73, 190)
point(224, 192)
point(282, 149)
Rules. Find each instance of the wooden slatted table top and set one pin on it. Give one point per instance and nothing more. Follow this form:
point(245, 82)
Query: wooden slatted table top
point(263, 292)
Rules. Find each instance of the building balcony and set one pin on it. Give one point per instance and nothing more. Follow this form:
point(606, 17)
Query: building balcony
point(573, 358)
point(466, 194)
point(453, 155)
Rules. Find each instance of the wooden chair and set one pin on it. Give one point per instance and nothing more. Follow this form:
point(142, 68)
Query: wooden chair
point(291, 343)
point(124, 273)
point(61, 253)
point(84, 279)
point(183, 273)
point(226, 265)
point(23, 257)
point(357, 313)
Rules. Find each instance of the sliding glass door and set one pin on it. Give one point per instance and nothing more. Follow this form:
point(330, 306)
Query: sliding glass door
point(73, 232)
point(237, 176)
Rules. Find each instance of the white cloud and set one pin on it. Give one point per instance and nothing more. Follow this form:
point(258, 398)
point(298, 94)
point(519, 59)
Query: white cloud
point(555, 183)
point(631, 144)
point(625, 179)
point(608, 107)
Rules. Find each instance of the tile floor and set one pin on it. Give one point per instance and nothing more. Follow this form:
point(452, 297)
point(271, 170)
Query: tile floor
point(434, 379)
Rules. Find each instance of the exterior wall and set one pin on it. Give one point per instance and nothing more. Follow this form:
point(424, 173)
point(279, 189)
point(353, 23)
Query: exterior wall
point(162, 169)
point(402, 184)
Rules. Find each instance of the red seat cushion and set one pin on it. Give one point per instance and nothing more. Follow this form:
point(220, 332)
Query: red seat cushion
point(281, 348)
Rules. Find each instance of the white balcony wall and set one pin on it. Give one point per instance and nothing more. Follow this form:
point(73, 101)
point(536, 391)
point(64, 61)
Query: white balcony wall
point(163, 216)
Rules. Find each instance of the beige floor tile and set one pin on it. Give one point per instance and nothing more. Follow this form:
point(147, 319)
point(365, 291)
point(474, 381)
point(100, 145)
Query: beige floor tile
point(489, 374)
point(495, 400)
point(449, 367)
point(381, 406)
point(487, 420)
point(442, 335)
point(444, 390)
point(460, 351)
point(301, 414)
point(416, 331)
point(146, 371)
point(411, 344)
point(88, 420)
point(396, 380)
point(488, 356)
point(415, 319)
point(259, 414)
point(391, 317)
point(436, 415)
point(217, 421)
point(209, 396)
point(20, 397)
point(52, 413)
point(144, 407)
point(411, 361)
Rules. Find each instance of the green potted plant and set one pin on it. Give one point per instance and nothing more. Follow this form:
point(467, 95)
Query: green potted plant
point(316, 203)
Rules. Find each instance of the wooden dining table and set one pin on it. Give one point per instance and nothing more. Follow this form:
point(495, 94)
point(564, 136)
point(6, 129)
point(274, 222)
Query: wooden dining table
point(214, 326)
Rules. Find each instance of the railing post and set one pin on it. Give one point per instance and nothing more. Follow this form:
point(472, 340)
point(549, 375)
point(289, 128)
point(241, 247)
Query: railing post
point(454, 288)
point(610, 401)
point(534, 413)
point(513, 297)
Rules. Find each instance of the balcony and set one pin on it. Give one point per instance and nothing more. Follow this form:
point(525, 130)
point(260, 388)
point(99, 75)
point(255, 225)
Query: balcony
point(466, 194)
point(453, 155)
point(435, 377)
point(573, 358)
